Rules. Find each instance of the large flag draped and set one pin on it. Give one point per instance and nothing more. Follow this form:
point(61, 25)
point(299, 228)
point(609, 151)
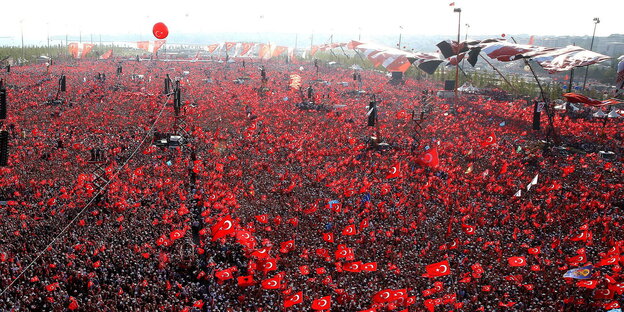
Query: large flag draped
point(551, 59)
point(394, 59)
point(151, 46)
point(80, 50)
point(566, 58)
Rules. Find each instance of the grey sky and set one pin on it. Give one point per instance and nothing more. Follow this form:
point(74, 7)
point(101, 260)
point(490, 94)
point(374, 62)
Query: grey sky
point(320, 16)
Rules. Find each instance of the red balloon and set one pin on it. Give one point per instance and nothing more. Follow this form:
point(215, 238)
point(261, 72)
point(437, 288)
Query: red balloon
point(503, 35)
point(160, 30)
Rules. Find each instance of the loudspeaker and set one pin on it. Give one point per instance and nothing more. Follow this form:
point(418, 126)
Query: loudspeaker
point(166, 86)
point(397, 76)
point(537, 113)
point(449, 85)
point(372, 117)
point(63, 83)
point(8, 68)
point(4, 148)
point(3, 103)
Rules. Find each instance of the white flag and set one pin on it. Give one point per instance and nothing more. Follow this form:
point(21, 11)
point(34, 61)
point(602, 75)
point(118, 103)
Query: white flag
point(534, 181)
point(518, 193)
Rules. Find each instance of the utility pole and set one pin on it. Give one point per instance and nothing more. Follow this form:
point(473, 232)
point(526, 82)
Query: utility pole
point(591, 46)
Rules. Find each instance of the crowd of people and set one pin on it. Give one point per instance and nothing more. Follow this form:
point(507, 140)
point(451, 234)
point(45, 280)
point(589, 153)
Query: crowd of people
point(268, 200)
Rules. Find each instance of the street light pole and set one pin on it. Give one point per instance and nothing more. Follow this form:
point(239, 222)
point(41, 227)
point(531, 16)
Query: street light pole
point(22, 29)
point(400, 31)
point(591, 46)
point(457, 10)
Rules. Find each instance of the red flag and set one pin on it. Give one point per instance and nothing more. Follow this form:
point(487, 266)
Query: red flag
point(226, 274)
point(288, 245)
point(322, 303)
point(353, 267)
point(591, 284)
point(198, 304)
point(438, 269)
point(535, 250)
point(264, 219)
point(328, 237)
point(603, 294)
point(489, 140)
point(370, 267)
point(222, 228)
point(73, 305)
point(429, 158)
point(52, 287)
point(272, 283)
point(611, 305)
point(304, 270)
point(452, 4)
point(609, 261)
point(394, 172)
point(245, 281)
point(261, 253)
point(176, 234)
point(294, 299)
point(349, 230)
point(617, 288)
point(268, 265)
point(517, 261)
point(469, 229)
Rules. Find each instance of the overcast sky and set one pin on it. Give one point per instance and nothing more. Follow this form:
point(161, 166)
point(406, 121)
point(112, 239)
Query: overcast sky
point(435, 17)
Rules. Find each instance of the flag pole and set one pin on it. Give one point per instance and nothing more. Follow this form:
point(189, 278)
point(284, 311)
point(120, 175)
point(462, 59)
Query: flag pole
point(499, 73)
point(549, 113)
point(458, 10)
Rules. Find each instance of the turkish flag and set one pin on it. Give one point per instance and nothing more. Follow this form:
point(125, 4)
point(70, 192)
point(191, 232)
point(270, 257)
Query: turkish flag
point(438, 269)
point(370, 267)
point(383, 296)
point(469, 229)
point(395, 171)
point(353, 267)
point(349, 230)
point(535, 250)
point(245, 281)
point(288, 245)
point(611, 305)
point(73, 305)
point(617, 288)
point(262, 218)
point(429, 158)
point(517, 261)
point(591, 284)
point(176, 234)
point(52, 287)
point(261, 253)
point(491, 139)
point(222, 228)
point(226, 274)
point(322, 303)
point(294, 299)
point(609, 261)
point(304, 270)
point(272, 283)
point(328, 237)
point(268, 265)
point(603, 294)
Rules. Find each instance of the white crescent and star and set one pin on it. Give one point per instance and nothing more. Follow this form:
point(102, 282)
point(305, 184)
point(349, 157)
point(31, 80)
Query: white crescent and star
point(427, 158)
point(442, 269)
point(227, 224)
